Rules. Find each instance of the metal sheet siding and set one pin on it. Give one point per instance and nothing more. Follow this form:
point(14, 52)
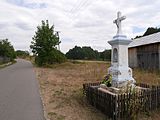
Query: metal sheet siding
point(150, 39)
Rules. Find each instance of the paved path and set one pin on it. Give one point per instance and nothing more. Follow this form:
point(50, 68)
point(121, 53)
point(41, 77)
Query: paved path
point(19, 94)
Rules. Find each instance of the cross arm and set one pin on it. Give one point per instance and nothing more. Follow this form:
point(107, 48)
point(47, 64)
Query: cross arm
point(122, 18)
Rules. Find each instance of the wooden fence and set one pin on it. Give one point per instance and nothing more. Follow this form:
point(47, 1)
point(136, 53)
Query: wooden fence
point(123, 106)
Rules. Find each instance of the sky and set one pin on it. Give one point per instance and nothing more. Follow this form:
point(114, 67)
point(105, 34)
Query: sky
point(80, 22)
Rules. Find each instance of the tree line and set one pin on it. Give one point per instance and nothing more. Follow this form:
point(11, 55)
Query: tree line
point(149, 31)
point(87, 53)
point(8, 53)
point(22, 54)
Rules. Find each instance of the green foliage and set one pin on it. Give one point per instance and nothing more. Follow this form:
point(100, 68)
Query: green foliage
point(75, 53)
point(54, 56)
point(149, 31)
point(44, 45)
point(107, 80)
point(22, 54)
point(7, 50)
point(87, 53)
point(105, 55)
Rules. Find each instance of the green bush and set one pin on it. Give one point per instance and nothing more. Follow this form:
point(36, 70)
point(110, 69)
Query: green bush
point(54, 56)
point(7, 51)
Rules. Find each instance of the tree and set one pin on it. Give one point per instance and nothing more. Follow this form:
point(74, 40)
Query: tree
point(90, 54)
point(44, 45)
point(7, 50)
point(86, 53)
point(75, 53)
point(149, 31)
point(22, 54)
point(105, 55)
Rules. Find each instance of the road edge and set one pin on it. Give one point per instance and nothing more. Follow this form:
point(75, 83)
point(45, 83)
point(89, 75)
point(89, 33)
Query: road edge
point(7, 64)
point(41, 97)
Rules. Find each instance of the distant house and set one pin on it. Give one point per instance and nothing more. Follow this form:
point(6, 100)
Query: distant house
point(144, 52)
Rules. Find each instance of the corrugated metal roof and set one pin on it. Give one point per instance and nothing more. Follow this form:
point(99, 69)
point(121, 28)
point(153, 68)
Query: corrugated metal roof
point(153, 38)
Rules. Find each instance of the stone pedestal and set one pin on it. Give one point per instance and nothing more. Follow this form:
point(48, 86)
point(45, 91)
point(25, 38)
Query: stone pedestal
point(121, 73)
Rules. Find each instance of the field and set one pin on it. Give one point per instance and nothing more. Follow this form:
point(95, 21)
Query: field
point(61, 89)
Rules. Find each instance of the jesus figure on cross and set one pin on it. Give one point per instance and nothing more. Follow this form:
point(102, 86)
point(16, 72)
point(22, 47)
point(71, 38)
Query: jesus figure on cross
point(118, 23)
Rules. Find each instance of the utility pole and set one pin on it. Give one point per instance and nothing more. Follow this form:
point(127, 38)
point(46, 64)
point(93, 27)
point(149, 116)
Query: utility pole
point(57, 35)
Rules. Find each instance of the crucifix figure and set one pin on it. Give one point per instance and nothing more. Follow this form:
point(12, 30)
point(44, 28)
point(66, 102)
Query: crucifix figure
point(118, 23)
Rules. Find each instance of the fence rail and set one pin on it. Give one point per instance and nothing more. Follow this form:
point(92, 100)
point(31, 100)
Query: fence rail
point(123, 106)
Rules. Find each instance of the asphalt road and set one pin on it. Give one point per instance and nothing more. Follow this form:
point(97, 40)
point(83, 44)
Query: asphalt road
point(19, 93)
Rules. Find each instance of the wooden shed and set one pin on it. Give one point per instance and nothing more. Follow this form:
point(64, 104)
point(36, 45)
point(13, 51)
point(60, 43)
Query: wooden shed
point(144, 52)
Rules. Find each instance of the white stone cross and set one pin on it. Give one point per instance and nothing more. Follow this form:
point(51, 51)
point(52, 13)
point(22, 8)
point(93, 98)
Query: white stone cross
point(118, 23)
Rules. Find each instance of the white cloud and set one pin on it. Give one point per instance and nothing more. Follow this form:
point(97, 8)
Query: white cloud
point(81, 22)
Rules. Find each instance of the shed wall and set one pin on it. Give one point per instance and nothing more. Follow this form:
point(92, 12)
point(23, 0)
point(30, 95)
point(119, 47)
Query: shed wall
point(145, 57)
point(148, 56)
point(132, 54)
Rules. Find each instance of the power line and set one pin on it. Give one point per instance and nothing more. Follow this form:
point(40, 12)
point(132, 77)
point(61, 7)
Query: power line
point(82, 4)
point(76, 7)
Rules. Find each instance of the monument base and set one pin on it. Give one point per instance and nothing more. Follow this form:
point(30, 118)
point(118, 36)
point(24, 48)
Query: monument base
point(122, 84)
point(111, 89)
point(121, 76)
point(119, 90)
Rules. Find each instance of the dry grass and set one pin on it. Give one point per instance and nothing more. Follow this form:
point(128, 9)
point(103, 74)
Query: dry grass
point(61, 88)
point(148, 77)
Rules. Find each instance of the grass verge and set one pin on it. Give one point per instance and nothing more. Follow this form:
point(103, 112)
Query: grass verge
point(7, 64)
